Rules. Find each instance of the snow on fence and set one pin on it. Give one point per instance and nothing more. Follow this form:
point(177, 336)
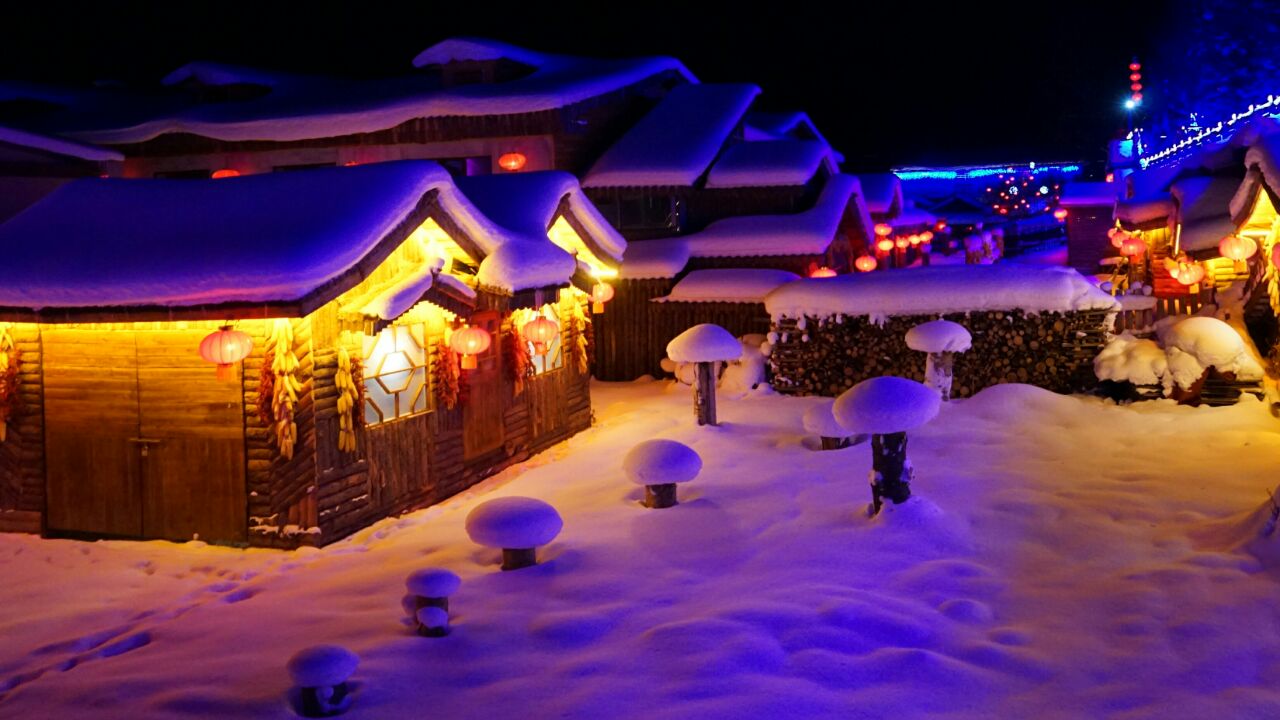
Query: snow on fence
point(1041, 326)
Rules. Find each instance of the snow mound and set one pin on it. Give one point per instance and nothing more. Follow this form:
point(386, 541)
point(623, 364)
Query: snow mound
point(704, 343)
point(747, 372)
point(433, 582)
point(886, 405)
point(658, 462)
point(1195, 344)
point(1136, 360)
point(768, 163)
point(939, 336)
point(513, 523)
point(322, 666)
point(523, 265)
point(819, 420)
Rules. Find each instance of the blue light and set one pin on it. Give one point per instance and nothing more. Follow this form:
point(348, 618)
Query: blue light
point(1130, 104)
point(1044, 189)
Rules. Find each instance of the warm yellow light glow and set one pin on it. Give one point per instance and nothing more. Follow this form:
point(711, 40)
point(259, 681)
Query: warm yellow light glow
point(433, 243)
point(568, 239)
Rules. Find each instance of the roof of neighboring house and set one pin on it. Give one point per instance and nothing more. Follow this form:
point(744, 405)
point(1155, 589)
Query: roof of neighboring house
point(769, 163)
point(261, 245)
point(49, 145)
point(883, 193)
point(913, 216)
point(676, 141)
point(1077, 194)
point(652, 259)
point(793, 125)
point(734, 285)
point(1204, 210)
point(300, 107)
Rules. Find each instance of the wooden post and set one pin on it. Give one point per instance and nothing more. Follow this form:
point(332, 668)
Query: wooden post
point(660, 496)
point(892, 476)
point(834, 443)
point(704, 394)
point(937, 373)
point(516, 558)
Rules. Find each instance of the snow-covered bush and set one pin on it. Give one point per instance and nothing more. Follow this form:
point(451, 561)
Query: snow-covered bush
point(516, 525)
point(321, 672)
point(659, 465)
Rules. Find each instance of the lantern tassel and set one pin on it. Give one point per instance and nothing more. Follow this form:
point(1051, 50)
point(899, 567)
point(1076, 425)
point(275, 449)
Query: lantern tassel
point(226, 373)
point(597, 308)
point(468, 362)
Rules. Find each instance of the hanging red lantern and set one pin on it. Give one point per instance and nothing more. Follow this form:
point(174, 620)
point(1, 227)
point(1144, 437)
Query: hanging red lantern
point(512, 161)
point(926, 237)
point(541, 332)
point(902, 243)
point(1237, 248)
point(225, 347)
point(884, 245)
point(884, 229)
point(1135, 66)
point(1060, 214)
point(601, 293)
point(1132, 247)
point(865, 263)
point(1136, 87)
point(469, 342)
point(1137, 97)
point(224, 173)
point(1117, 236)
point(822, 272)
point(1135, 77)
point(942, 225)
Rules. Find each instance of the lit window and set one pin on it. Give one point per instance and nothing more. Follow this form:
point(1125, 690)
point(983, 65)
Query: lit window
point(396, 377)
point(552, 360)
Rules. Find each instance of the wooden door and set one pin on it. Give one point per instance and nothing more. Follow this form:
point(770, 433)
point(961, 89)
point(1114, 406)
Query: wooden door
point(193, 473)
point(482, 426)
point(91, 413)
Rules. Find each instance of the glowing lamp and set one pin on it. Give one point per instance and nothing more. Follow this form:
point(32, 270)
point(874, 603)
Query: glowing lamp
point(226, 347)
point(1111, 177)
point(884, 229)
point(469, 342)
point(512, 161)
point(822, 272)
point(1137, 98)
point(902, 243)
point(601, 293)
point(224, 173)
point(926, 236)
point(1130, 104)
point(1136, 87)
point(1135, 66)
point(1237, 248)
point(1135, 77)
point(884, 245)
point(541, 332)
point(866, 263)
point(1060, 214)
point(1190, 274)
point(942, 225)
point(1117, 237)
point(1133, 247)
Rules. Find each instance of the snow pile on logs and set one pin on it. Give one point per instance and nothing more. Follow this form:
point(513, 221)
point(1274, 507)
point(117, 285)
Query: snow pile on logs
point(1180, 357)
point(1131, 359)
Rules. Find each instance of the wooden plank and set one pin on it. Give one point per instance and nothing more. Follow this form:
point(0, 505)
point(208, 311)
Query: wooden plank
point(194, 487)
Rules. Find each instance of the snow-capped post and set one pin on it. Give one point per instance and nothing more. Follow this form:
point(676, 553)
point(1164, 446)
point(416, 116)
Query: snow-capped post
point(705, 345)
point(819, 420)
point(941, 339)
point(515, 525)
point(659, 465)
point(430, 589)
point(320, 673)
point(886, 408)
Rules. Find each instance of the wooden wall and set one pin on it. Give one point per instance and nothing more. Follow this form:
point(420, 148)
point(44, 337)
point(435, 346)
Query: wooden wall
point(1087, 241)
point(22, 489)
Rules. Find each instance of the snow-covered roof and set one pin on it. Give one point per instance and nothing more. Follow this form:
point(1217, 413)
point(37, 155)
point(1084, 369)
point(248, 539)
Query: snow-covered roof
point(527, 203)
point(734, 285)
point(1204, 210)
point(704, 343)
point(768, 163)
point(56, 145)
point(301, 108)
point(884, 405)
point(1148, 210)
point(912, 217)
point(883, 192)
point(654, 259)
point(676, 141)
point(215, 74)
point(293, 240)
point(938, 290)
point(792, 124)
point(809, 232)
point(1077, 194)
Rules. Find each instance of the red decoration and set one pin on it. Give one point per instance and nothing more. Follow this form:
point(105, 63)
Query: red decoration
point(902, 243)
point(1136, 87)
point(601, 293)
point(942, 225)
point(926, 237)
point(1135, 77)
point(541, 332)
point(1133, 247)
point(469, 342)
point(884, 245)
point(1275, 255)
point(1135, 66)
point(224, 173)
point(9, 397)
point(884, 229)
point(822, 272)
point(518, 365)
point(512, 161)
point(267, 391)
point(226, 347)
point(1237, 248)
point(449, 380)
point(865, 263)
point(1060, 214)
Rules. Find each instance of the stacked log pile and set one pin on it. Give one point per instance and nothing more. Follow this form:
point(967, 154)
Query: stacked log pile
point(826, 356)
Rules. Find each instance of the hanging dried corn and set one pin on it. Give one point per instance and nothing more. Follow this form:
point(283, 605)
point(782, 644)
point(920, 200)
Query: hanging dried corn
point(284, 365)
point(8, 378)
point(347, 399)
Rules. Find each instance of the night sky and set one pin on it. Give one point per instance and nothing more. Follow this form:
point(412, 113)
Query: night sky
point(905, 84)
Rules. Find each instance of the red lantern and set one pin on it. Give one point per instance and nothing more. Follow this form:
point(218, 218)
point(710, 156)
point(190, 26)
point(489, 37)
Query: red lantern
point(1135, 77)
point(884, 229)
point(1135, 66)
point(822, 272)
point(884, 245)
point(1133, 247)
point(926, 237)
point(469, 342)
point(601, 293)
point(1136, 87)
point(224, 173)
point(1237, 248)
point(512, 161)
point(541, 332)
point(1117, 236)
point(942, 225)
point(1137, 97)
point(1060, 214)
point(902, 243)
point(866, 263)
point(226, 347)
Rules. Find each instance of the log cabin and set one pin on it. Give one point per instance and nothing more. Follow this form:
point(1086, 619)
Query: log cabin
point(347, 309)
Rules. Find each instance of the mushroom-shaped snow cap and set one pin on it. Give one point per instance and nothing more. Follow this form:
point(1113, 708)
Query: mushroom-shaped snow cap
point(885, 405)
point(938, 336)
point(322, 666)
point(661, 462)
point(432, 583)
point(819, 420)
point(704, 343)
point(513, 523)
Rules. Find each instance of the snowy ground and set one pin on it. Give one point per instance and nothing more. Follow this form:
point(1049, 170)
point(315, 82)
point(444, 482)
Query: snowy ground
point(1081, 564)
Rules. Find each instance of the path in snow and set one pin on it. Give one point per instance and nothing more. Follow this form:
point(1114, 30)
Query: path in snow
point(1060, 577)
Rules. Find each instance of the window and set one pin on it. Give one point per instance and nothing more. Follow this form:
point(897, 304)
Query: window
point(644, 212)
point(396, 374)
point(552, 360)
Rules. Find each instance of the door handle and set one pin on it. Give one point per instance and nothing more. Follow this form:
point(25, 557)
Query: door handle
point(145, 443)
